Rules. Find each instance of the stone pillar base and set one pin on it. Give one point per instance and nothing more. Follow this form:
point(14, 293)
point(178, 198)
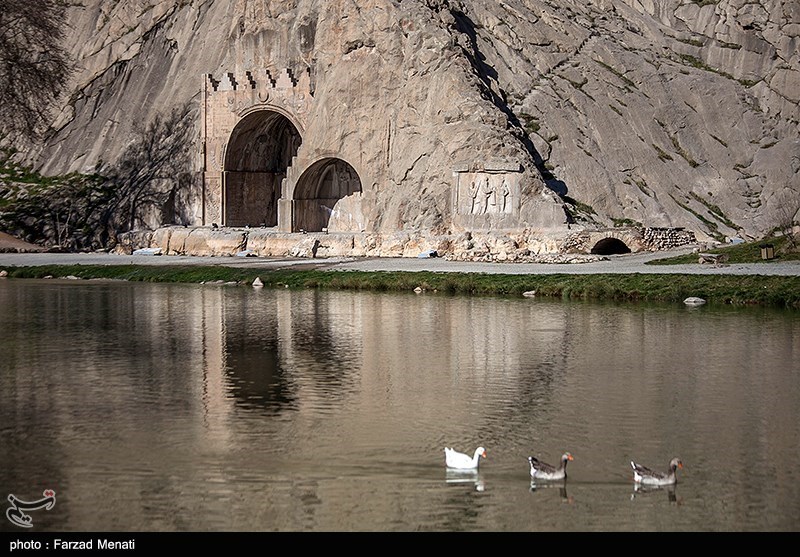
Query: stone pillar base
point(285, 210)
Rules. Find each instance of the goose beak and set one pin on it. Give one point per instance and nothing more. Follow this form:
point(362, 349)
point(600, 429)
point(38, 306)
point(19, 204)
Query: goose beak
point(680, 465)
point(570, 457)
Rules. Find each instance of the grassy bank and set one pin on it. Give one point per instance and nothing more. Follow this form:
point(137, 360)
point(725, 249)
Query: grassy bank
point(776, 291)
point(784, 250)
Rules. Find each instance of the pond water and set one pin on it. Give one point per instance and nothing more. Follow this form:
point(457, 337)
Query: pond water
point(157, 407)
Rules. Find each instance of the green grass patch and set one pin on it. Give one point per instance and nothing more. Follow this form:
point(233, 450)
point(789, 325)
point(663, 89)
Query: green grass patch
point(748, 252)
point(619, 223)
point(663, 155)
point(668, 288)
point(530, 122)
point(617, 73)
point(693, 42)
point(642, 185)
point(749, 82)
point(682, 152)
point(580, 206)
point(715, 211)
point(713, 227)
point(700, 65)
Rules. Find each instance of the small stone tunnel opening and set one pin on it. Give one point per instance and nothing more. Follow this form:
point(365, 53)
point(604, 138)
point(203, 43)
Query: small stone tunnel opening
point(610, 246)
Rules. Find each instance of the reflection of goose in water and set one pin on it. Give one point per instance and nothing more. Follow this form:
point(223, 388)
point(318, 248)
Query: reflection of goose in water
point(562, 489)
point(463, 477)
point(640, 490)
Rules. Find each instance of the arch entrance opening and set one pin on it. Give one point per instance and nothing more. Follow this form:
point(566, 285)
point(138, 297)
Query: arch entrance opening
point(610, 246)
point(320, 193)
point(259, 152)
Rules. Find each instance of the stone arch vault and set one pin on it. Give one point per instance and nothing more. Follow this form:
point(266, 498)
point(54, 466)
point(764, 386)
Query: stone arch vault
point(259, 152)
point(323, 197)
point(259, 166)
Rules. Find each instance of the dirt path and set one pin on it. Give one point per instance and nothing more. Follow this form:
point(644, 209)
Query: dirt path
point(620, 264)
point(9, 243)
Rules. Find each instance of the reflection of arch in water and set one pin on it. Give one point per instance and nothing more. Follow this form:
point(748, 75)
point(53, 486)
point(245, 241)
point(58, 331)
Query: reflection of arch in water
point(299, 350)
point(610, 246)
point(319, 191)
point(323, 344)
point(255, 376)
point(258, 154)
point(255, 373)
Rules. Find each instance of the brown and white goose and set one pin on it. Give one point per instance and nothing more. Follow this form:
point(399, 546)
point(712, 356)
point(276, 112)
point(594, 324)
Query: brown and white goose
point(543, 471)
point(646, 476)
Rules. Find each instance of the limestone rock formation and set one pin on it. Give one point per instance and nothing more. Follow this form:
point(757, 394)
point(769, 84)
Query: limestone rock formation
point(524, 119)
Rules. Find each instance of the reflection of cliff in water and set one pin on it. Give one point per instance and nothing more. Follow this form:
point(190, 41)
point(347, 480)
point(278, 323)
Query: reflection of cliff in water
point(326, 341)
point(254, 375)
point(282, 348)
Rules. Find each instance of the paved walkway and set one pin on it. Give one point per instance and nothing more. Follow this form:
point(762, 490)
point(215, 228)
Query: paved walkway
point(619, 264)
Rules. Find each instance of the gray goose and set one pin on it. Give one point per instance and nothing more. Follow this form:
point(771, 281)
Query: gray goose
point(646, 476)
point(543, 471)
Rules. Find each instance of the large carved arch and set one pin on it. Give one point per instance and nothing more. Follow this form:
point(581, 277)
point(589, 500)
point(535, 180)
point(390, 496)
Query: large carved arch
point(257, 156)
point(253, 126)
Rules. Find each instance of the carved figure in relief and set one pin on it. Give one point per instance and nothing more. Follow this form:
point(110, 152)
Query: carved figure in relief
point(490, 195)
point(474, 191)
point(505, 191)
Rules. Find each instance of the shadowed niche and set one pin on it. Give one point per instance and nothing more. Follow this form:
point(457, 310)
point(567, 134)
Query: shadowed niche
point(259, 153)
point(319, 190)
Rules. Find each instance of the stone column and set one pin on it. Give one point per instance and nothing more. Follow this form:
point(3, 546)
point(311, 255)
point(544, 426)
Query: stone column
point(285, 214)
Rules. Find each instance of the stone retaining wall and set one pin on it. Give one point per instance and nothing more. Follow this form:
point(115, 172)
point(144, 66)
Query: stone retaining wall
point(523, 246)
point(667, 238)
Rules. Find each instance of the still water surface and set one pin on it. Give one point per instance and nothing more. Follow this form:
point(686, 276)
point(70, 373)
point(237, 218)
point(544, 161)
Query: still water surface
point(154, 407)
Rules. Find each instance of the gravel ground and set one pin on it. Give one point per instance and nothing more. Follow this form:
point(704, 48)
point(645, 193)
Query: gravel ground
point(620, 264)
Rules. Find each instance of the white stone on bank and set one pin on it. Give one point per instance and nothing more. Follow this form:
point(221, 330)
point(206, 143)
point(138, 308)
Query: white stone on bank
point(694, 301)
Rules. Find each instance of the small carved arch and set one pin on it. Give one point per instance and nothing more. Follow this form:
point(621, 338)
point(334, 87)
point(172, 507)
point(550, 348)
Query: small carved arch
point(318, 191)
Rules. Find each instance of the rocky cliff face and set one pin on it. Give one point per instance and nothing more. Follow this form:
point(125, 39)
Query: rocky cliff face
point(665, 113)
point(671, 113)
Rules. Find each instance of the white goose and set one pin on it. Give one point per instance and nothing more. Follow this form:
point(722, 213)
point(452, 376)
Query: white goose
point(460, 461)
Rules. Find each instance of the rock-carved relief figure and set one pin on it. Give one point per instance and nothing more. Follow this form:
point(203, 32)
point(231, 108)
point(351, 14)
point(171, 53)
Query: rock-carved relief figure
point(474, 201)
point(213, 158)
point(490, 195)
point(213, 211)
point(505, 191)
point(258, 155)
